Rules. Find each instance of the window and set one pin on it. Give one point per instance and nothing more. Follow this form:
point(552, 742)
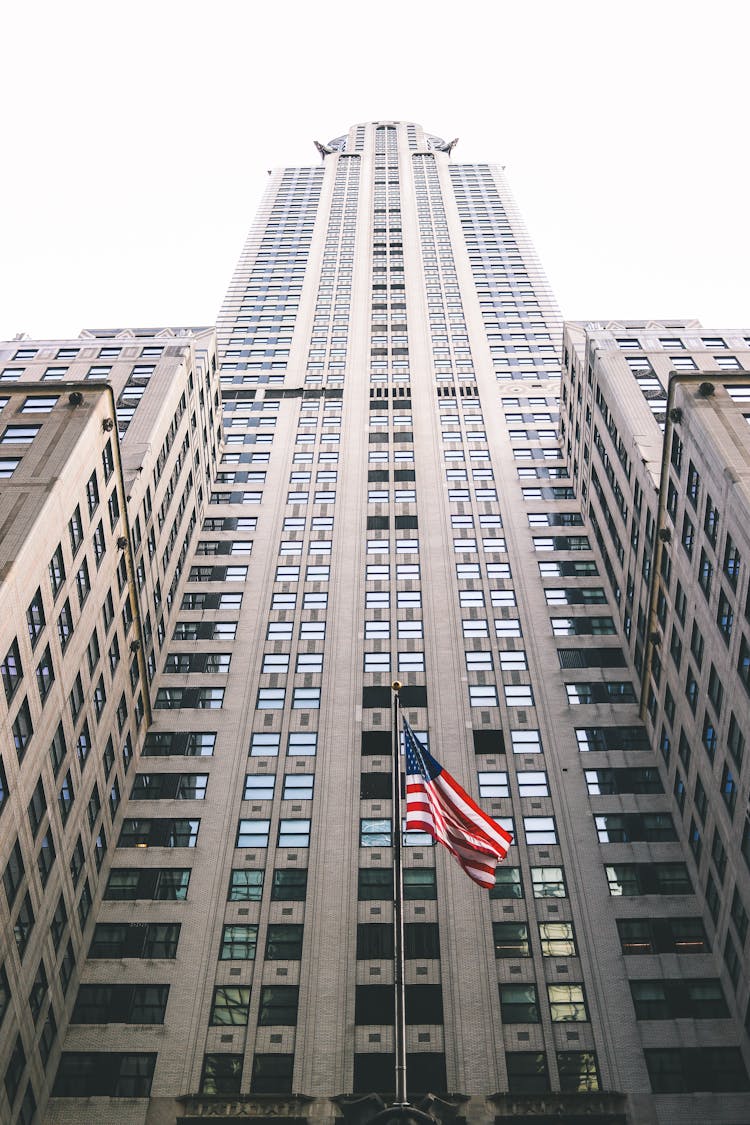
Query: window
point(532, 783)
point(578, 1070)
point(298, 787)
point(540, 830)
point(375, 833)
point(302, 742)
point(104, 1074)
point(511, 939)
point(526, 741)
point(678, 999)
point(155, 940)
point(238, 942)
point(306, 698)
point(284, 942)
point(169, 884)
point(294, 834)
point(22, 729)
point(662, 935)
point(222, 1074)
point(375, 883)
point(732, 561)
point(548, 882)
point(19, 435)
point(557, 939)
point(11, 669)
point(272, 1074)
point(626, 879)
point(493, 784)
point(483, 696)
point(689, 1069)
point(567, 1003)
point(230, 1006)
point(278, 1005)
point(289, 885)
point(245, 885)
point(270, 699)
point(56, 575)
point(120, 1003)
point(166, 833)
point(629, 827)
point(519, 1003)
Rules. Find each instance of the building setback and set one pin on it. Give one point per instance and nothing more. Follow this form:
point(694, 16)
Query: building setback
point(198, 922)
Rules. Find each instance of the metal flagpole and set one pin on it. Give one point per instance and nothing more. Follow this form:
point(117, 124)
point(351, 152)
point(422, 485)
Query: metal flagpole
point(398, 913)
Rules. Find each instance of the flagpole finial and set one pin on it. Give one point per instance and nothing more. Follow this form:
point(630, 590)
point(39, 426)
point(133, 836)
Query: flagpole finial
point(396, 686)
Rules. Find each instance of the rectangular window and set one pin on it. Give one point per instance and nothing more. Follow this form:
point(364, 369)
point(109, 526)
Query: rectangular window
point(238, 942)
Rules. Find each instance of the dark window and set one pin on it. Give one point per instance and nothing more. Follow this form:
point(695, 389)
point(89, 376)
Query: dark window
point(421, 940)
point(374, 939)
point(375, 786)
point(662, 935)
point(35, 618)
point(23, 925)
point(284, 942)
point(488, 742)
point(4, 993)
point(376, 742)
point(222, 1074)
point(117, 940)
point(507, 883)
point(419, 883)
point(375, 883)
point(626, 879)
point(612, 738)
point(579, 1072)
point(11, 670)
point(169, 884)
point(37, 806)
point(688, 1069)
point(519, 1003)
point(13, 874)
point(14, 1070)
point(511, 939)
point(289, 885)
point(104, 1074)
point(374, 1004)
point(678, 999)
point(732, 561)
point(163, 833)
point(56, 571)
point(278, 1005)
point(272, 1074)
point(120, 1003)
point(640, 779)
point(376, 1072)
point(527, 1072)
point(38, 992)
point(623, 828)
point(23, 729)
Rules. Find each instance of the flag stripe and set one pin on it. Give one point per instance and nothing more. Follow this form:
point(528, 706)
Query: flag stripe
point(436, 804)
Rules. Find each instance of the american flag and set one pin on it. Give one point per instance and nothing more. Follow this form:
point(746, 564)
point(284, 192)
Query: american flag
point(437, 804)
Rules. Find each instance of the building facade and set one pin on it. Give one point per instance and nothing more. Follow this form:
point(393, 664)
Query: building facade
point(396, 495)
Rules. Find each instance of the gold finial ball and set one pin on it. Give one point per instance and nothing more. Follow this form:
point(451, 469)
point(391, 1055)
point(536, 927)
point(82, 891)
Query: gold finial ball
point(396, 685)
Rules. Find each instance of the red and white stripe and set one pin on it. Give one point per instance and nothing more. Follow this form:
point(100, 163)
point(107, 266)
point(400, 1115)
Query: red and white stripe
point(441, 807)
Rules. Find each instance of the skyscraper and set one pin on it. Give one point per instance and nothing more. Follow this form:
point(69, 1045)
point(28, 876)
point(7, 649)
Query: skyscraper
point(395, 496)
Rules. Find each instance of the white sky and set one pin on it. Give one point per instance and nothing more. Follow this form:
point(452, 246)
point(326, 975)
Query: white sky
point(136, 138)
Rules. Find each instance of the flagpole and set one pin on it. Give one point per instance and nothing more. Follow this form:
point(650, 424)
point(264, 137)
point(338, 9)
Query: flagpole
point(398, 913)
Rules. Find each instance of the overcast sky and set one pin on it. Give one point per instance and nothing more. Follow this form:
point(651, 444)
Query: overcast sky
point(136, 138)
